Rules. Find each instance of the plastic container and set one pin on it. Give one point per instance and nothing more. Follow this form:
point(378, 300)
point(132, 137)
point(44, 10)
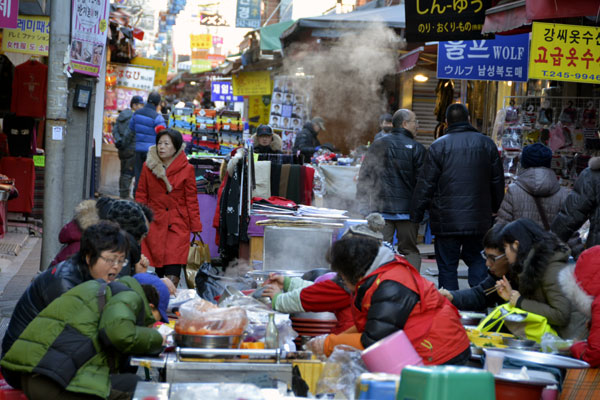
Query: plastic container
point(493, 361)
point(391, 354)
point(378, 386)
point(446, 383)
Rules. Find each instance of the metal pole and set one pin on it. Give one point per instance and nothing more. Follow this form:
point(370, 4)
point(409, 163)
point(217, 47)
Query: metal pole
point(56, 123)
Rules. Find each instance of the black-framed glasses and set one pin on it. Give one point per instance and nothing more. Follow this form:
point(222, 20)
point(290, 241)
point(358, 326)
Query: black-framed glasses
point(492, 259)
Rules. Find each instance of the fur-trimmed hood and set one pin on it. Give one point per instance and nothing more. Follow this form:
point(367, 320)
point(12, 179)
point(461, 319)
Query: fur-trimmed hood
point(594, 163)
point(86, 214)
point(573, 291)
point(581, 282)
point(276, 143)
point(535, 265)
point(156, 166)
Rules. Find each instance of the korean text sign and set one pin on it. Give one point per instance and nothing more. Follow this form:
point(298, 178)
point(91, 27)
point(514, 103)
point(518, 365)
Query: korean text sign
point(565, 53)
point(247, 14)
point(433, 20)
point(9, 13)
point(223, 91)
point(133, 77)
point(251, 83)
point(160, 68)
point(201, 41)
point(502, 59)
point(32, 36)
point(88, 35)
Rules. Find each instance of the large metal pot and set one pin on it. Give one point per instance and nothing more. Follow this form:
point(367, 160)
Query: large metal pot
point(208, 341)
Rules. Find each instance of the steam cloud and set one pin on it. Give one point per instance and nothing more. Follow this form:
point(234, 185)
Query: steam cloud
point(346, 85)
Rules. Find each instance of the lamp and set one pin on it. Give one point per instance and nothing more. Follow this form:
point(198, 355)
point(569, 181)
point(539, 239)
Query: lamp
point(421, 78)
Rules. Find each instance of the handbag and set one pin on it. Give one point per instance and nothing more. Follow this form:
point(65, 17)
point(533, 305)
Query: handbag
point(198, 254)
point(521, 323)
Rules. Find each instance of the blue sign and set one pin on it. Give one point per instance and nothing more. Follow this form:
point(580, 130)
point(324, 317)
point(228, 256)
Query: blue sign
point(223, 91)
point(247, 14)
point(505, 58)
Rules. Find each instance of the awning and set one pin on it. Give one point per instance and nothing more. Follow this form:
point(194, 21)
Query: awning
point(269, 35)
point(506, 17)
point(408, 61)
point(549, 9)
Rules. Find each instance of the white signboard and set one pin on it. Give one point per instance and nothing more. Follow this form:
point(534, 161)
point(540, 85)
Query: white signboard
point(134, 77)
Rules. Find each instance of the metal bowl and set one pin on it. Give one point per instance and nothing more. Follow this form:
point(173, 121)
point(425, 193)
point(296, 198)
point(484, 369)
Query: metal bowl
point(515, 343)
point(208, 341)
point(471, 318)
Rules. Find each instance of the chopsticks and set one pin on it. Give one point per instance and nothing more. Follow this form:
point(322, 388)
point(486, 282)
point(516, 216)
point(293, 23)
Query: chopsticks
point(491, 290)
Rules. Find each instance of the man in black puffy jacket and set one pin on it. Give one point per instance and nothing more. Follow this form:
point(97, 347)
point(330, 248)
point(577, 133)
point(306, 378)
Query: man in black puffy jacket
point(306, 140)
point(387, 179)
point(462, 186)
point(581, 204)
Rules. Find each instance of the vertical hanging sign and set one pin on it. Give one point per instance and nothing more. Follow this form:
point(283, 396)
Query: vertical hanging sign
point(9, 12)
point(89, 27)
point(247, 14)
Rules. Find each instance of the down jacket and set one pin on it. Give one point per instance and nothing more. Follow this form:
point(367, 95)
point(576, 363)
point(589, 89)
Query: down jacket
point(519, 200)
point(86, 215)
point(171, 194)
point(581, 204)
point(581, 284)
point(74, 342)
point(124, 137)
point(388, 174)
point(306, 142)
point(46, 287)
point(143, 123)
point(461, 183)
point(541, 293)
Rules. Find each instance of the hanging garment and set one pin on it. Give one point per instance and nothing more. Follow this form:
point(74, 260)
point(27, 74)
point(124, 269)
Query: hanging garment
point(19, 133)
point(29, 90)
point(7, 70)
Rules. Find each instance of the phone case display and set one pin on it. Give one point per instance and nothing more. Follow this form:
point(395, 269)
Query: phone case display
point(289, 107)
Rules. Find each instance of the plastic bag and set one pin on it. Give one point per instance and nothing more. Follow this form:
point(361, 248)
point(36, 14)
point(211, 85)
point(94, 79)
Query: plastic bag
point(200, 317)
point(182, 296)
point(340, 372)
point(554, 344)
point(207, 283)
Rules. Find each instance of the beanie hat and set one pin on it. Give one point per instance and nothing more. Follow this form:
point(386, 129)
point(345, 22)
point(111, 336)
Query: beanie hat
point(103, 205)
point(154, 98)
point(163, 292)
point(536, 155)
point(129, 216)
point(264, 130)
point(372, 229)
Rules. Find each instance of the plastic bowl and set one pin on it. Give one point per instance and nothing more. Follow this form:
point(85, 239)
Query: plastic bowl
point(391, 354)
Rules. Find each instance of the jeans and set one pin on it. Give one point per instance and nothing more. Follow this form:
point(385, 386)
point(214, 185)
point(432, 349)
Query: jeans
point(127, 173)
point(140, 158)
point(449, 250)
point(406, 232)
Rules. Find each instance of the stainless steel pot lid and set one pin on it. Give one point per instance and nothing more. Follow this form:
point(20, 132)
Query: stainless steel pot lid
point(550, 360)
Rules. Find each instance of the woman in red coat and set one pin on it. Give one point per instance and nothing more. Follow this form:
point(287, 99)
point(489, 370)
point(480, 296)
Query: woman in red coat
point(168, 186)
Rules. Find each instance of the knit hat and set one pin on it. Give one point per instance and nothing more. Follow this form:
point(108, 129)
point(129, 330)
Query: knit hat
point(154, 98)
point(319, 121)
point(372, 229)
point(103, 205)
point(129, 216)
point(536, 155)
point(264, 130)
point(161, 288)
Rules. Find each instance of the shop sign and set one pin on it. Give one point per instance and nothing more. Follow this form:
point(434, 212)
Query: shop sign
point(88, 35)
point(160, 69)
point(201, 41)
point(251, 83)
point(200, 65)
point(133, 77)
point(31, 36)
point(438, 20)
point(223, 91)
point(217, 40)
point(9, 13)
point(259, 108)
point(502, 59)
point(247, 14)
point(565, 53)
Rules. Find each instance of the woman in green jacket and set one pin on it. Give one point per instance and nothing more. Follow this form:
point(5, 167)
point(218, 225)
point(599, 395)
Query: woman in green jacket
point(72, 347)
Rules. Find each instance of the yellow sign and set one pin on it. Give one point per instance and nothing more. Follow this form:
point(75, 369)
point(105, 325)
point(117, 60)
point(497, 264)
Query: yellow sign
point(259, 108)
point(251, 83)
point(201, 41)
point(32, 36)
point(160, 67)
point(565, 53)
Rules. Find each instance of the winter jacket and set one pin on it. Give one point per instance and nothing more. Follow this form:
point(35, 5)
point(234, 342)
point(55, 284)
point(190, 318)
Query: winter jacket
point(306, 142)
point(143, 123)
point(274, 148)
point(172, 195)
point(541, 293)
point(86, 215)
point(381, 134)
point(461, 183)
point(388, 174)
point(300, 295)
point(46, 287)
point(581, 204)
point(393, 296)
point(581, 284)
point(474, 299)
point(519, 200)
point(124, 137)
point(74, 342)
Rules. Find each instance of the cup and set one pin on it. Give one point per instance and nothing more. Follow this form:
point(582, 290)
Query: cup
point(493, 361)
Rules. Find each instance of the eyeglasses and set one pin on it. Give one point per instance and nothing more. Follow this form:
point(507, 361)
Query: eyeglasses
point(492, 259)
point(114, 261)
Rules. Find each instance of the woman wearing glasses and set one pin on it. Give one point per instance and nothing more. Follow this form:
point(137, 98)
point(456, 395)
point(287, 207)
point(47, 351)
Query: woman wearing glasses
point(536, 258)
point(476, 298)
point(101, 255)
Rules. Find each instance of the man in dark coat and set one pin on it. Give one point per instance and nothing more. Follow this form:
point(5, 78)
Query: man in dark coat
point(125, 143)
point(386, 125)
point(306, 140)
point(462, 185)
point(581, 204)
point(387, 179)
